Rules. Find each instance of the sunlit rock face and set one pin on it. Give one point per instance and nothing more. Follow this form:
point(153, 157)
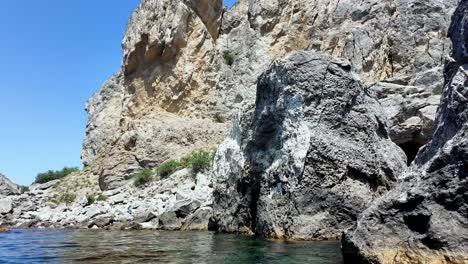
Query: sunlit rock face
point(157, 108)
point(189, 67)
point(425, 218)
point(7, 187)
point(309, 157)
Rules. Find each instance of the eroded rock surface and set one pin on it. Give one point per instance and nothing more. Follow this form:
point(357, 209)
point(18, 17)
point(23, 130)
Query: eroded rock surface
point(7, 187)
point(425, 219)
point(385, 41)
point(309, 158)
point(195, 64)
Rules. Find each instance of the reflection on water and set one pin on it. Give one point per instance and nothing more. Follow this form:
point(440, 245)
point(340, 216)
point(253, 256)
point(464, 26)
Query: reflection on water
point(100, 246)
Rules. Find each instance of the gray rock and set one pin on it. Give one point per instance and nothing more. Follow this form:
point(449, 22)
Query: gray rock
point(309, 158)
point(7, 187)
point(185, 208)
point(83, 201)
point(95, 210)
point(198, 221)
point(170, 221)
point(6, 205)
point(101, 222)
point(37, 187)
point(425, 218)
point(111, 192)
point(411, 111)
point(104, 112)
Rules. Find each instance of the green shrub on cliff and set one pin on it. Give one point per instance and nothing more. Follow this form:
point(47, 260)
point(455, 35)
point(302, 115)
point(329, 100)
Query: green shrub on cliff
point(24, 189)
point(143, 177)
point(166, 169)
point(200, 161)
point(228, 58)
point(55, 175)
point(67, 198)
point(101, 198)
point(91, 199)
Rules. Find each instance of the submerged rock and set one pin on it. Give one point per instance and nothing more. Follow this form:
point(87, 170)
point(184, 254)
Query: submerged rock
point(425, 219)
point(309, 158)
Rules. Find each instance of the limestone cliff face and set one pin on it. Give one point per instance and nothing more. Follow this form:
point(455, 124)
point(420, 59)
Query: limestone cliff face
point(189, 67)
point(425, 219)
point(156, 108)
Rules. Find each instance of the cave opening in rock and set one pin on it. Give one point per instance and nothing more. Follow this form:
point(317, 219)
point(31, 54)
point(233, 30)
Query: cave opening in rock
point(411, 150)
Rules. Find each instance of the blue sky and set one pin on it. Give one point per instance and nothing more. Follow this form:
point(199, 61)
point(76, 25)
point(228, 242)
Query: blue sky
point(54, 56)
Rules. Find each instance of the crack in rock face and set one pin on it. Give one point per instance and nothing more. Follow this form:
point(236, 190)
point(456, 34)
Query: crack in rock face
point(311, 155)
point(425, 218)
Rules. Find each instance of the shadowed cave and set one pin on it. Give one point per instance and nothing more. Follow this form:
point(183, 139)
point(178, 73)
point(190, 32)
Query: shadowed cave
point(411, 150)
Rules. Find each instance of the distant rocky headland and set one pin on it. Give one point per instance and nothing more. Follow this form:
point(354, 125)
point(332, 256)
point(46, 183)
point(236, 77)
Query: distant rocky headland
point(295, 120)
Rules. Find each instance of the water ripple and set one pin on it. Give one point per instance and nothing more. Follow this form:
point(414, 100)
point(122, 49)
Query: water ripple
point(100, 246)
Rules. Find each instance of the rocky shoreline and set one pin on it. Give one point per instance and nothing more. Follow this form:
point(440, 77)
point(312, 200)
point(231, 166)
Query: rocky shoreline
point(331, 120)
point(182, 202)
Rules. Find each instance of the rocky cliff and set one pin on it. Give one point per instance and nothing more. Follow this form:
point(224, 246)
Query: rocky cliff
point(189, 67)
point(309, 158)
point(314, 97)
point(425, 218)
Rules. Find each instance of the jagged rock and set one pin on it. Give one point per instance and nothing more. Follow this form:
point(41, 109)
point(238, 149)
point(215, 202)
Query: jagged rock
point(104, 112)
point(7, 187)
point(425, 219)
point(186, 207)
point(311, 155)
point(38, 187)
point(411, 111)
point(189, 66)
point(199, 220)
point(170, 221)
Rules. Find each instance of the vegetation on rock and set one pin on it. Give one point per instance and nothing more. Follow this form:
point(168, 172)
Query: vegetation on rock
point(91, 199)
point(143, 177)
point(166, 169)
point(228, 58)
point(66, 198)
point(55, 175)
point(200, 161)
point(24, 189)
point(101, 198)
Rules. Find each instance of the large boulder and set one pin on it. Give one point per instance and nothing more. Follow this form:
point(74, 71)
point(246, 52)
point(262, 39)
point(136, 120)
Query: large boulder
point(309, 158)
point(425, 219)
point(6, 205)
point(7, 187)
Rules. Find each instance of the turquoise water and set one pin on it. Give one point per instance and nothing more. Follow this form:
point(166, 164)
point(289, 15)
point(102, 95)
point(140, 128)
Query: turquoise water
point(100, 246)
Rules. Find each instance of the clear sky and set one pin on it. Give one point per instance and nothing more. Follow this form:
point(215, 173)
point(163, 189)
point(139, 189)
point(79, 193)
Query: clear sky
point(54, 55)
